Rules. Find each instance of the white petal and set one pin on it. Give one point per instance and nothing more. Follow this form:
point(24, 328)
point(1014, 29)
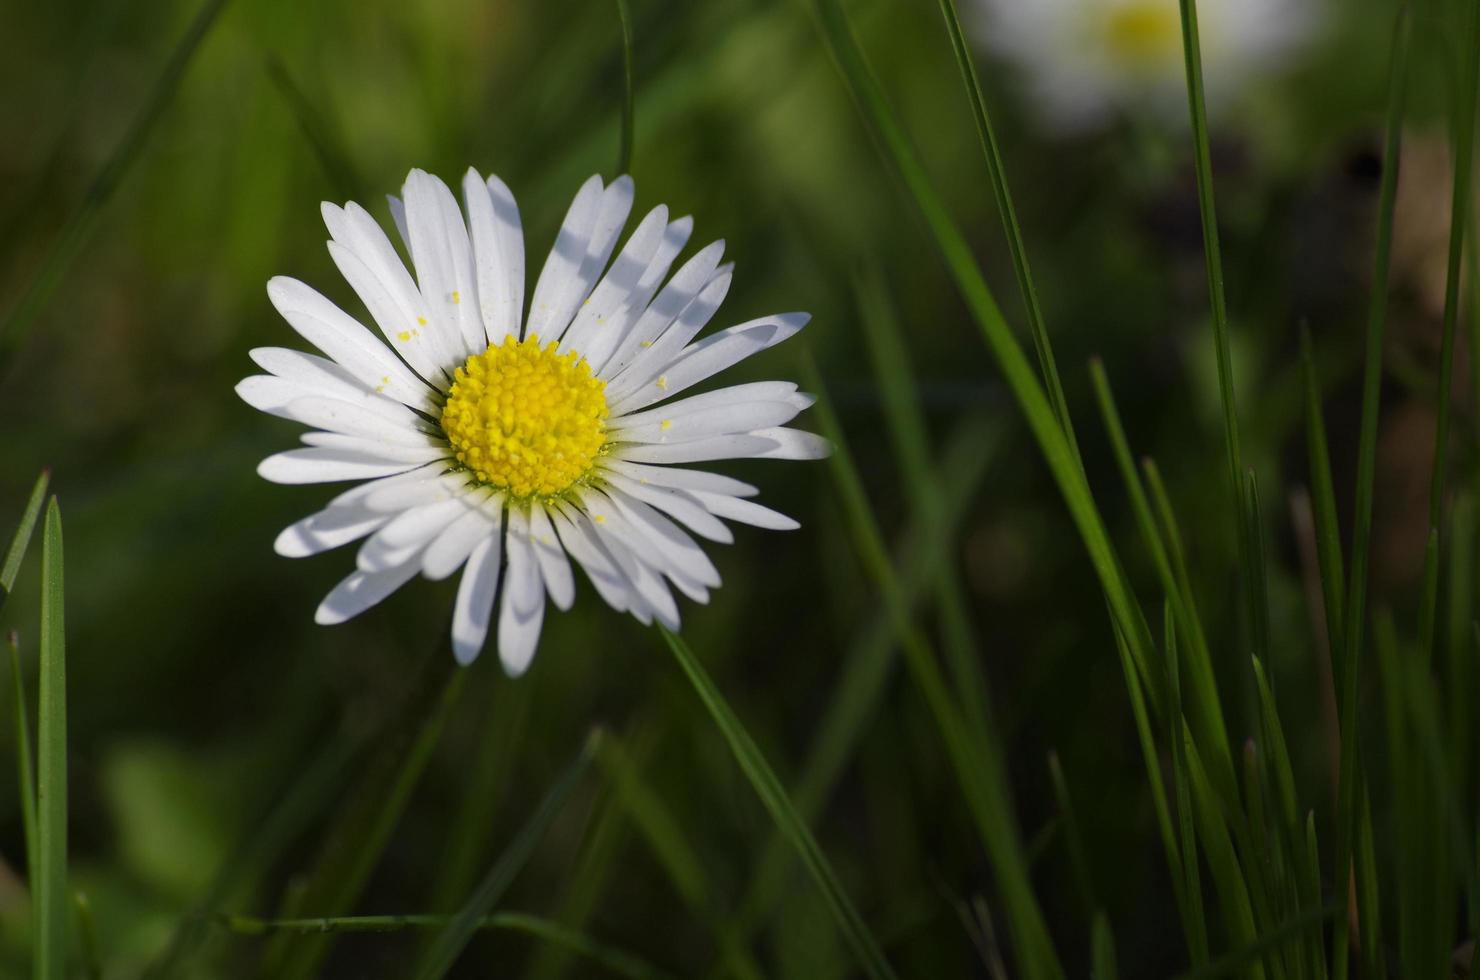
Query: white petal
point(646, 580)
point(687, 283)
point(735, 446)
point(672, 476)
point(326, 465)
point(704, 423)
point(554, 566)
point(434, 486)
point(339, 335)
point(359, 591)
point(452, 547)
point(419, 525)
point(681, 506)
point(755, 391)
point(523, 610)
point(668, 345)
point(582, 545)
point(616, 204)
point(377, 555)
point(595, 318)
point(474, 607)
point(370, 264)
point(707, 357)
point(320, 375)
point(675, 236)
point(559, 286)
point(498, 254)
point(329, 528)
point(398, 218)
point(355, 496)
point(351, 419)
point(682, 552)
point(745, 511)
point(444, 266)
point(370, 448)
point(794, 444)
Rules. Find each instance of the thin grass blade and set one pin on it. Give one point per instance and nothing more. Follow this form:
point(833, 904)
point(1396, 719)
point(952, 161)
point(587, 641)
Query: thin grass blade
point(25, 767)
point(320, 132)
point(629, 101)
point(783, 812)
point(21, 540)
point(51, 896)
point(461, 927)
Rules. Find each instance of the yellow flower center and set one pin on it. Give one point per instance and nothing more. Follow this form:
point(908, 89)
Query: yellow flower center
point(526, 419)
point(1144, 33)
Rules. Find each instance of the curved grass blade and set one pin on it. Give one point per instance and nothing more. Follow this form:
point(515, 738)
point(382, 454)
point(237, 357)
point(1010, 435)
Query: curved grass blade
point(779, 805)
point(616, 961)
point(976, 757)
point(624, 153)
point(833, 24)
point(866, 668)
point(25, 768)
point(460, 928)
point(21, 540)
point(996, 174)
point(1356, 598)
point(52, 899)
point(80, 224)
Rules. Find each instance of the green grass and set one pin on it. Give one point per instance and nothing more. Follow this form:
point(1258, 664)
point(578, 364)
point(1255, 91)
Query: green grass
point(52, 899)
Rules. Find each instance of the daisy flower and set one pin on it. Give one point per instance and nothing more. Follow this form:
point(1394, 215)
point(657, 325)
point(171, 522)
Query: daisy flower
point(506, 444)
point(1084, 60)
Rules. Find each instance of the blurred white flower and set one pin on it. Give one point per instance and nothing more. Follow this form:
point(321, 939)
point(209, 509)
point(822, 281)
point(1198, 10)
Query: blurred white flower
point(507, 444)
point(1086, 60)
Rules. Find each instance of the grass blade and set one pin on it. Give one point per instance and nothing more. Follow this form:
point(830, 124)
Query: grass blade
point(832, 22)
point(1323, 499)
point(996, 174)
point(977, 757)
point(79, 225)
point(1251, 954)
point(21, 540)
point(629, 112)
point(25, 768)
point(1356, 598)
point(320, 132)
point(52, 899)
point(461, 927)
point(617, 961)
point(1102, 943)
point(1077, 859)
point(779, 805)
point(87, 931)
point(1460, 203)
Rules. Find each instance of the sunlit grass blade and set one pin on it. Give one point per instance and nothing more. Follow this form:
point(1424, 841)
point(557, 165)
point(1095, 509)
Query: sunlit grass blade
point(25, 768)
point(21, 540)
point(461, 927)
point(319, 131)
point(976, 757)
point(1348, 664)
point(996, 174)
point(624, 151)
point(673, 850)
point(1460, 207)
point(1323, 499)
point(79, 225)
point(52, 900)
point(970, 450)
point(617, 961)
point(783, 812)
point(832, 22)
point(910, 439)
point(1223, 863)
point(363, 830)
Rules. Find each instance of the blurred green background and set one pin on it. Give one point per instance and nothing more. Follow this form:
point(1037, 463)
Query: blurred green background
point(201, 692)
